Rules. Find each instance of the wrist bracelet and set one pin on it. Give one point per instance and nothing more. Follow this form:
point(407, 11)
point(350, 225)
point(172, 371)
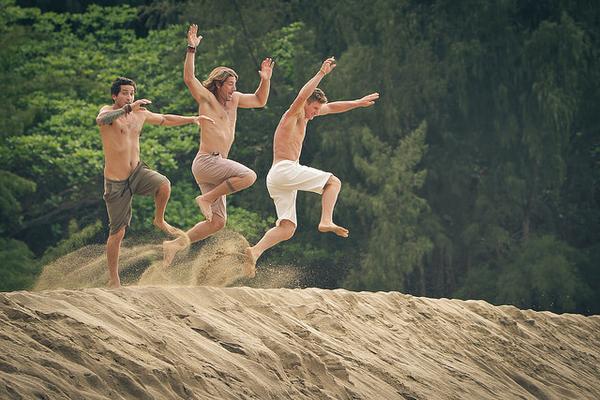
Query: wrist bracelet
point(191, 49)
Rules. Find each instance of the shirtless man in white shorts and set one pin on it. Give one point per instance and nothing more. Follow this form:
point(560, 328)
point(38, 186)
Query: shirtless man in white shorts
point(287, 176)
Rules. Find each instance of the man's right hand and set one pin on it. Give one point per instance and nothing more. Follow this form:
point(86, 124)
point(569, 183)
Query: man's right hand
point(192, 37)
point(328, 65)
point(137, 105)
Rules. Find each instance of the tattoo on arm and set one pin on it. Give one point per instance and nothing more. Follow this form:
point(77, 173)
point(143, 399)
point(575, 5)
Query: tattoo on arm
point(110, 116)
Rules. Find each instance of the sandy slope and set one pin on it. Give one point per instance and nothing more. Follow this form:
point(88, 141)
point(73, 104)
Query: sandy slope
point(243, 343)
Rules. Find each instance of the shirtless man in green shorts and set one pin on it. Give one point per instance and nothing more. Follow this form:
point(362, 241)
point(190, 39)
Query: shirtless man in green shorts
point(287, 176)
point(124, 174)
point(216, 174)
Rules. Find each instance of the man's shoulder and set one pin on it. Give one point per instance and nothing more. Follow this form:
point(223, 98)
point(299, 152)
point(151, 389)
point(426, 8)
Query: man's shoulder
point(289, 115)
point(208, 100)
point(288, 123)
point(235, 98)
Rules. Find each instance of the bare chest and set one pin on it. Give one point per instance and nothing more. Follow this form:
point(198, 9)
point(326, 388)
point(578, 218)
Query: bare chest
point(226, 117)
point(290, 138)
point(128, 125)
point(299, 131)
point(122, 134)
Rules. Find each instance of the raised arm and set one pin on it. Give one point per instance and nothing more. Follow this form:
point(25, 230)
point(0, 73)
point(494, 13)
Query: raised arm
point(175, 120)
point(347, 105)
point(311, 85)
point(107, 115)
point(199, 92)
point(260, 96)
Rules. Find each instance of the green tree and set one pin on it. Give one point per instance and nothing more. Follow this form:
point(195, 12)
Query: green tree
point(19, 267)
point(509, 91)
point(541, 276)
point(12, 188)
point(389, 208)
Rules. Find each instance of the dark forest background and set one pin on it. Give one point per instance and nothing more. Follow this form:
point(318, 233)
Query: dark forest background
point(475, 176)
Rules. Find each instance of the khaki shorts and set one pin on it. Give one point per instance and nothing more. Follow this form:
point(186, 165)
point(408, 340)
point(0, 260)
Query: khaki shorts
point(284, 180)
point(210, 170)
point(118, 194)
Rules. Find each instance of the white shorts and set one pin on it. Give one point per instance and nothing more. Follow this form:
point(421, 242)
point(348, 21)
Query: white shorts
point(284, 180)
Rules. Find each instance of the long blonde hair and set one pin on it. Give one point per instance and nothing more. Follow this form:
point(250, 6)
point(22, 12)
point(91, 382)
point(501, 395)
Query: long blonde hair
point(218, 75)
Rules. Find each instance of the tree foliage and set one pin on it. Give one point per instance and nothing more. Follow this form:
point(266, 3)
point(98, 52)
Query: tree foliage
point(475, 175)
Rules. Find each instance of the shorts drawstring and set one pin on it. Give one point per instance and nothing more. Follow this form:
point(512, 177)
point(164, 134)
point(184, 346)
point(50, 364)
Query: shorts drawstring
point(128, 182)
point(127, 187)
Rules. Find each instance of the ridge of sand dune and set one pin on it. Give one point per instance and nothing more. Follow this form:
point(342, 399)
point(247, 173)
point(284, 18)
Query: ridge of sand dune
point(244, 343)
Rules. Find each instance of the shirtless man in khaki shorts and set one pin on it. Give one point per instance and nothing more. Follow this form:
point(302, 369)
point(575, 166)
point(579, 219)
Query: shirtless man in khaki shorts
point(287, 176)
point(216, 175)
point(124, 174)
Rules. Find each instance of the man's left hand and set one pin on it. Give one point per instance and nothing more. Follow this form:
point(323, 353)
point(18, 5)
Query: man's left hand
point(266, 68)
point(368, 100)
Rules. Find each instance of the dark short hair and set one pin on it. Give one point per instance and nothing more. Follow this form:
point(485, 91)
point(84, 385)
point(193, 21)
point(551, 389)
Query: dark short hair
point(317, 95)
point(116, 85)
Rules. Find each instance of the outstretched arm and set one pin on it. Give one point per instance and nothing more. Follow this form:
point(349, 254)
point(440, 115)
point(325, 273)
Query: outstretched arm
point(343, 106)
point(175, 120)
point(260, 96)
point(107, 115)
point(199, 92)
point(311, 85)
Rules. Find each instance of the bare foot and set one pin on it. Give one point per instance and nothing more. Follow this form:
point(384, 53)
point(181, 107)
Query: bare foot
point(165, 227)
point(331, 227)
point(250, 266)
point(205, 208)
point(114, 285)
point(171, 247)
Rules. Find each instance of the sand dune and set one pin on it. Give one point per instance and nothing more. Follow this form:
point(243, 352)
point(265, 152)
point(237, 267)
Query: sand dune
point(246, 343)
point(181, 333)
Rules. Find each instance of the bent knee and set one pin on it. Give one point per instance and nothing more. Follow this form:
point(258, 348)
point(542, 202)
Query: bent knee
point(217, 223)
point(287, 229)
point(288, 234)
point(118, 235)
point(250, 178)
point(334, 181)
point(164, 188)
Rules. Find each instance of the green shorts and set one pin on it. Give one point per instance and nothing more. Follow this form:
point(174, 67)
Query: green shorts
point(118, 194)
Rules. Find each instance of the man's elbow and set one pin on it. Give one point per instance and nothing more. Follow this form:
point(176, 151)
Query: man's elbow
point(188, 77)
point(261, 102)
